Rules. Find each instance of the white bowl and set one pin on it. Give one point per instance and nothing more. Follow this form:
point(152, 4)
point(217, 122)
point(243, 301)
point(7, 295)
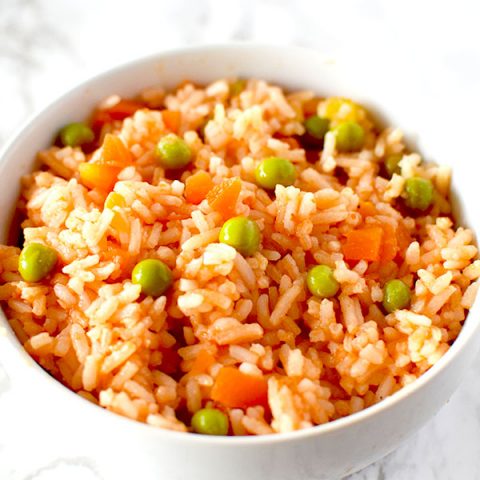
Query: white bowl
point(324, 452)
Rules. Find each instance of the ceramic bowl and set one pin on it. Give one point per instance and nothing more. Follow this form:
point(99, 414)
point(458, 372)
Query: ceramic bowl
point(328, 451)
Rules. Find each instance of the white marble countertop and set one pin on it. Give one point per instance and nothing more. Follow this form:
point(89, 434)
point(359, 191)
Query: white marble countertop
point(47, 46)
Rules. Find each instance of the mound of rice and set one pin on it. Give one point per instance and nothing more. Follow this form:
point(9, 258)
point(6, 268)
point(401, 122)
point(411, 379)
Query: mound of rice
point(320, 359)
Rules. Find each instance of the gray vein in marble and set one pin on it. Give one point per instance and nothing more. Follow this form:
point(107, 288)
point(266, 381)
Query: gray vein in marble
point(62, 467)
point(381, 473)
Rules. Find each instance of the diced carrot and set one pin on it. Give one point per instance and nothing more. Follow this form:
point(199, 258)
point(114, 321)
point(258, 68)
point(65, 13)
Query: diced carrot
point(170, 360)
point(96, 175)
point(172, 119)
point(389, 243)
point(121, 110)
point(367, 209)
point(310, 106)
point(223, 197)
point(115, 152)
point(197, 186)
point(236, 389)
point(364, 244)
point(124, 108)
point(202, 362)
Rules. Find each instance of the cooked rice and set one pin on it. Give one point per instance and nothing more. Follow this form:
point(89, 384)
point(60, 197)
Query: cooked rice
point(323, 359)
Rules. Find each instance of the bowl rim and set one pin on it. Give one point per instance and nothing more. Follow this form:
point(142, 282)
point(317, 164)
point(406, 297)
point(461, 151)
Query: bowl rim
point(388, 403)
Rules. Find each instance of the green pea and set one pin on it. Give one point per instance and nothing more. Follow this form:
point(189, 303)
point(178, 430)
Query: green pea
point(237, 87)
point(153, 276)
point(275, 171)
point(36, 261)
point(172, 152)
point(242, 234)
point(350, 136)
point(76, 134)
point(316, 127)
point(418, 193)
point(392, 164)
point(321, 282)
point(210, 421)
point(396, 295)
